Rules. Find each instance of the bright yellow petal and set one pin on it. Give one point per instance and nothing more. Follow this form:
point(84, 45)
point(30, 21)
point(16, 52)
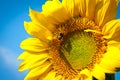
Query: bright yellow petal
point(35, 73)
point(34, 45)
point(86, 8)
point(111, 59)
point(50, 76)
point(31, 55)
point(54, 11)
point(75, 79)
point(111, 30)
point(24, 55)
point(38, 31)
point(76, 7)
point(32, 63)
point(98, 72)
point(69, 5)
point(114, 43)
point(105, 11)
point(59, 77)
point(90, 8)
point(31, 60)
point(40, 19)
point(82, 8)
point(87, 74)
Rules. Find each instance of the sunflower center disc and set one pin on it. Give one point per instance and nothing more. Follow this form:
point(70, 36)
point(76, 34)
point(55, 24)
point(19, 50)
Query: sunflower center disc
point(78, 48)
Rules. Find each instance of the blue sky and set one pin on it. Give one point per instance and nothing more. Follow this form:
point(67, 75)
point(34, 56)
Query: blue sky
point(12, 15)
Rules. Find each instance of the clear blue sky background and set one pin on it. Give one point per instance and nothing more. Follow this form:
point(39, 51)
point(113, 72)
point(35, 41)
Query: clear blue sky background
point(12, 15)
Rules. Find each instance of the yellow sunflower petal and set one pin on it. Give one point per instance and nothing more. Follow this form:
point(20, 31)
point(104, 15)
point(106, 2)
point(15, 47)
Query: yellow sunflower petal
point(50, 76)
point(24, 55)
point(111, 30)
point(98, 72)
point(90, 8)
point(105, 11)
point(33, 44)
point(114, 43)
point(31, 55)
point(54, 11)
point(32, 60)
point(59, 77)
point(76, 7)
point(112, 55)
point(75, 79)
point(33, 64)
point(69, 5)
point(37, 72)
point(87, 74)
point(40, 19)
point(82, 8)
point(86, 8)
point(38, 31)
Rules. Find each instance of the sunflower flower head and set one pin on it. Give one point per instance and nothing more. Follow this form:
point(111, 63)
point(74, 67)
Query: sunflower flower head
point(72, 40)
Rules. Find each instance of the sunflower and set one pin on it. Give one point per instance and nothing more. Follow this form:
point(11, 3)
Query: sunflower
point(72, 40)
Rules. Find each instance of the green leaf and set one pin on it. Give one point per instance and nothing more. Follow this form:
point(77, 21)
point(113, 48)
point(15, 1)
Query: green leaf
point(110, 76)
point(93, 78)
point(117, 69)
